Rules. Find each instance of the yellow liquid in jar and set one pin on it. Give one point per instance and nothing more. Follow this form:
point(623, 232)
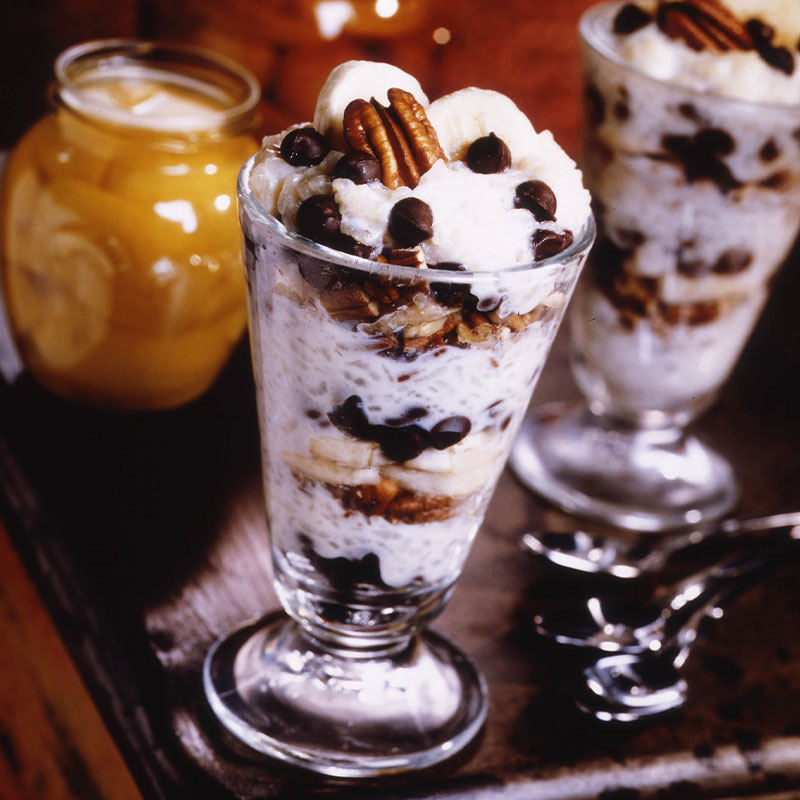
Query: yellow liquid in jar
point(124, 278)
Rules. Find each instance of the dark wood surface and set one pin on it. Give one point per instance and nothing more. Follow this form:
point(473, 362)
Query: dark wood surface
point(147, 538)
point(53, 742)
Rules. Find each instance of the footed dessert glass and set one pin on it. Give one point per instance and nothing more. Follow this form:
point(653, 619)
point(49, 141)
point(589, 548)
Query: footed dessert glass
point(697, 200)
point(388, 398)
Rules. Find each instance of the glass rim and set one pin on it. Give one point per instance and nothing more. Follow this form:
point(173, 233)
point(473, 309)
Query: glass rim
point(240, 115)
point(247, 198)
point(588, 33)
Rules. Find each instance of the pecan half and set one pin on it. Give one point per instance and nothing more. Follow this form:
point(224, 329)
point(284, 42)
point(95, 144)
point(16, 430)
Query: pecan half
point(699, 313)
point(404, 258)
point(401, 137)
point(703, 25)
point(386, 499)
point(418, 129)
point(349, 302)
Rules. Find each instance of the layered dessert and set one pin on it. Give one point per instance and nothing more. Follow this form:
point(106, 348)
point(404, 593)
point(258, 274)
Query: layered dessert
point(692, 155)
point(409, 263)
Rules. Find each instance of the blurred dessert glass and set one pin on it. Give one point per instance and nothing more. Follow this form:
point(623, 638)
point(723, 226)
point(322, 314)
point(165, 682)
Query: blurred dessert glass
point(697, 198)
point(123, 273)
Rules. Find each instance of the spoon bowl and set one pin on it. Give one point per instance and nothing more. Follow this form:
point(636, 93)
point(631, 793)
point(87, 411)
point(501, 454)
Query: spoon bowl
point(642, 676)
point(672, 615)
point(603, 624)
point(628, 688)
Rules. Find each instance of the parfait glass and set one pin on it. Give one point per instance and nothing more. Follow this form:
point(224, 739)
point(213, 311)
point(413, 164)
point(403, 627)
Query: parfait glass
point(697, 201)
point(388, 399)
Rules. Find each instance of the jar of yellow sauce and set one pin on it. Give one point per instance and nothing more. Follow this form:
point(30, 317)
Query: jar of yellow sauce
point(121, 249)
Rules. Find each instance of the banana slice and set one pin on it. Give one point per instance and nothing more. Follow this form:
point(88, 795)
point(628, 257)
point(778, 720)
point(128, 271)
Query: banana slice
point(467, 454)
point(346, 452)
point(327, 471)
point(458, 483)
point(354, 80)
point(464, 116)
point(457, 471)
point(432, 461)
point(60, 280)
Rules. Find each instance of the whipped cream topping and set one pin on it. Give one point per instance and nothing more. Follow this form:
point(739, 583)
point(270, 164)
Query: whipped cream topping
point(475, 221)
point(734, 73)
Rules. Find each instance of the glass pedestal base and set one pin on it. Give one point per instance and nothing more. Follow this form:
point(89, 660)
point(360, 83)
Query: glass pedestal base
point(339, 712)
point(635, 478)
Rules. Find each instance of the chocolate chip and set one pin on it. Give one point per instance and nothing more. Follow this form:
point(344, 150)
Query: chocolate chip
point(410, 222)
point(358, 167)
point(630, 18)
point(778, 57)
point(452, 294)
point(488, 155)
point(318, 218)
point(401, 444)
point(688, 110)
point(703, 751)
point(714, 141)
point(347, 244)
point(732, 261)
point(770, 151)
point(317, 273)
point(622, 111)
point(304, 147)
point(344, 574)
point(700, 156)
point(760, 32)
point(350, 418)
point(547, 243)
point(538, 198)
point(746, 740)
point(448, 432)
point(398, 441)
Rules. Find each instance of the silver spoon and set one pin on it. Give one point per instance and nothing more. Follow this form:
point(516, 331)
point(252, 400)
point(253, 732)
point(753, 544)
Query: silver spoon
point(628, 688)
point(631, 686)
point(624, 556)
point(672, 615)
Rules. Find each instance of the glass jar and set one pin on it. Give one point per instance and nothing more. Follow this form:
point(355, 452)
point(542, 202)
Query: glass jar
point(122, 262)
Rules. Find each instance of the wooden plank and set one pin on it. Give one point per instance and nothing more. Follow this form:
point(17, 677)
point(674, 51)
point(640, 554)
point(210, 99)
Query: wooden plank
point(53, 743)
point(159, 538)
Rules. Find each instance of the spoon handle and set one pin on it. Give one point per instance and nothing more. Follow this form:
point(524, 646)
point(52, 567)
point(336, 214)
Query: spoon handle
point(705, 588)
point(681, 629)
point(727, 528)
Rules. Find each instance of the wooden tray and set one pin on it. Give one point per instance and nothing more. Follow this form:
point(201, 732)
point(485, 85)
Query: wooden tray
point(146, 536)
